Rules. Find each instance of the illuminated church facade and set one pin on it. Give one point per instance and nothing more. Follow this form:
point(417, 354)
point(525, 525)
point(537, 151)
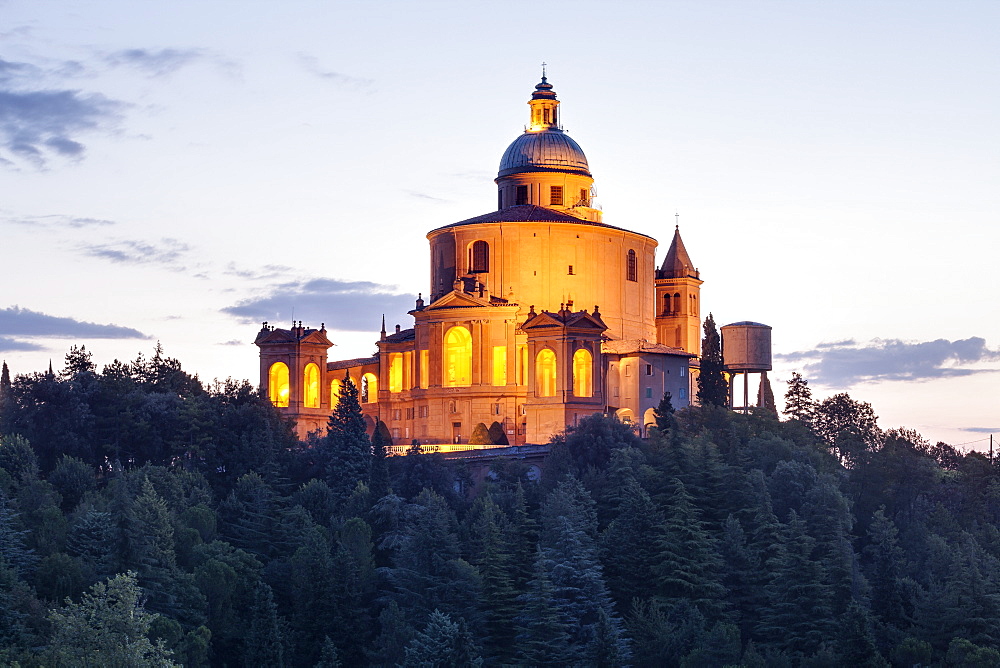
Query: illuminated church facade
point(538, 314)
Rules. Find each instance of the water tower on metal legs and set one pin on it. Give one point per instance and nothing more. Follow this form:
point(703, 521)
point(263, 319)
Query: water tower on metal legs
point(746, 349)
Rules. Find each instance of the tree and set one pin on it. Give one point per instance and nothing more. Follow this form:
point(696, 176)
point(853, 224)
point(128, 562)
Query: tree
point(664, 414)
point(765, 396)
point(441, 644)
point(109, 627)
point(480, 435)
point(379, 479)
point(847, 426)
point(712, 387)
point(264, 641)
point(347, 443)
point(799, 403)
point(6, 397)
point(497, 434)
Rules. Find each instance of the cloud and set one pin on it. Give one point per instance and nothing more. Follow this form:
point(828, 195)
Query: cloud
point(37, 125)
point(311, 65)
point(348, 306)
point(155, 63)
point(846, 363)
point(420, 195)
point(166, 252)
point(267, 271)
point(21, 322)
point(8, 344)
point(51, 221)
point(233, 342)
point(982, 430)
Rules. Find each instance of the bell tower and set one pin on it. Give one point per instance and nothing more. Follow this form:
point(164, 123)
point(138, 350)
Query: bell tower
point(678, 293)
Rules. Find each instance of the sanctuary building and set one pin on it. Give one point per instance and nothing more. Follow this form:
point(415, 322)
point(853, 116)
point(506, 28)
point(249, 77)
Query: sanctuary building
point(538, 315)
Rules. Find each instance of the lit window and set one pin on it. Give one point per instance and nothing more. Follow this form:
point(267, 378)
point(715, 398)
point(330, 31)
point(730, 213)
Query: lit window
point(479, 257)
point(632, 270)
point(425, 369)
point(369, 389)
point(583, 369)
point(545, 373)
point(277, 384)
point(334, 393)
point(499, 365)
point(584, 197)
point(397, 414)
point(555, 195)
point(395, 372)
point(395, 432)
point(522, 364)
point(310, 383)
point(457, 357)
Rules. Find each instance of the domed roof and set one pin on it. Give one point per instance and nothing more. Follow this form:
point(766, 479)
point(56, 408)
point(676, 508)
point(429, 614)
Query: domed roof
point(550, 150)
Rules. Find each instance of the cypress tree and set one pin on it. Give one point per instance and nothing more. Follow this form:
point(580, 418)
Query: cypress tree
point(712, 387)
point(765, 395)
point(497, 434)
point(380, 465)
point(664, 414)
point(480, 435)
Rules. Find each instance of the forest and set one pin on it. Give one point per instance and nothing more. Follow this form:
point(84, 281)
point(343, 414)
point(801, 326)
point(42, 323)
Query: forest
point(150, 519)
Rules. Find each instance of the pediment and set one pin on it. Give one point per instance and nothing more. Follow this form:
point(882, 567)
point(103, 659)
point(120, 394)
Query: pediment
point(457, 299)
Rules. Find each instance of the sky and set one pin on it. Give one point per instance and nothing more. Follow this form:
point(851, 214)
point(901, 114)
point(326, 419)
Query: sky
point(180, 171)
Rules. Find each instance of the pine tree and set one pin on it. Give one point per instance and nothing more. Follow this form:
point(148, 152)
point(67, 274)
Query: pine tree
point(627, 545)
point(884, 559)
point(799, 403)
point(347, 443)
point(542, 634)
point(380, 465)
point(712, 387)
point(493, 559)
point(441, 643)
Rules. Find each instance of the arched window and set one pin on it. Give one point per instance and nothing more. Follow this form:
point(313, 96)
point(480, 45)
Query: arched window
point(479, 257)
point(395, 372)
point(277, 384)
point(334, 393)
point(583, 373)
point(310, 385)
point(457, 357)
point(632, 269)
point(666, 305)
point(369, 389)
point(677, 302)
point(545, 373)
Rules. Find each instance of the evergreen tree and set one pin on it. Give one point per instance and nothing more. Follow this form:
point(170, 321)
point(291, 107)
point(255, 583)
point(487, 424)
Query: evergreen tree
point(799, 403)
point(109, 627)
point(840, 419)
point(480, 435)
point(312, 585)
point(497, 434)
point(380, 466)
point(498, 599)
point(347, 443)
point(765, 395)
point(712, 387)
point(6, 399)
point(664, 414)
point(264, 641)
point(354, 593)
point(688, 566)
point(328, 657)
point(628, 547)
point(542, 635)
point(884, 559)
point(441, 644)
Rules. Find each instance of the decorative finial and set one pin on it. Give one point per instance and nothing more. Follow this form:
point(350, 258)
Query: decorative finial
point(543, 70)
point(677, 221)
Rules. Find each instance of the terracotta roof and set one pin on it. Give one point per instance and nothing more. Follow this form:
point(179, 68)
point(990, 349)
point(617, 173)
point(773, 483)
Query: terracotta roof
point(633, 346)
point(345, 364)
point(530, 213)
point(677, 263)
point(402, 335)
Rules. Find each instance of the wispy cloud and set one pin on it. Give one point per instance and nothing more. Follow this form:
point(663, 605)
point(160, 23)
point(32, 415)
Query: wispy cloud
point(311, 65)
point(983, 430)
point(420, 195)
point(166, 252)
point(350, 306)
point(845, 363)
point(54, 221)
point(155, 62)
point(266, 272)
point(233, 342)
point(8, 344)
point(39, 124)
point(21, 322)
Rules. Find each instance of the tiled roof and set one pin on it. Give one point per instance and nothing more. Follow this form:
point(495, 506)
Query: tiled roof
point(529, 213)
point(633, 346)
point(345, 364)
point(402, 335)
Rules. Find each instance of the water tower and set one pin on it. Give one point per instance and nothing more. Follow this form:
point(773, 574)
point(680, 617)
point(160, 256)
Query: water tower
point(746, 349)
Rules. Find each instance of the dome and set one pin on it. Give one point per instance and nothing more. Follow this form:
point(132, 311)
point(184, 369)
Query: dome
point(548, 151)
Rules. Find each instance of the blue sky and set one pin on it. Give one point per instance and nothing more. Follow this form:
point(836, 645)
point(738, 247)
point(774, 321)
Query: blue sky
point(179, 171)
